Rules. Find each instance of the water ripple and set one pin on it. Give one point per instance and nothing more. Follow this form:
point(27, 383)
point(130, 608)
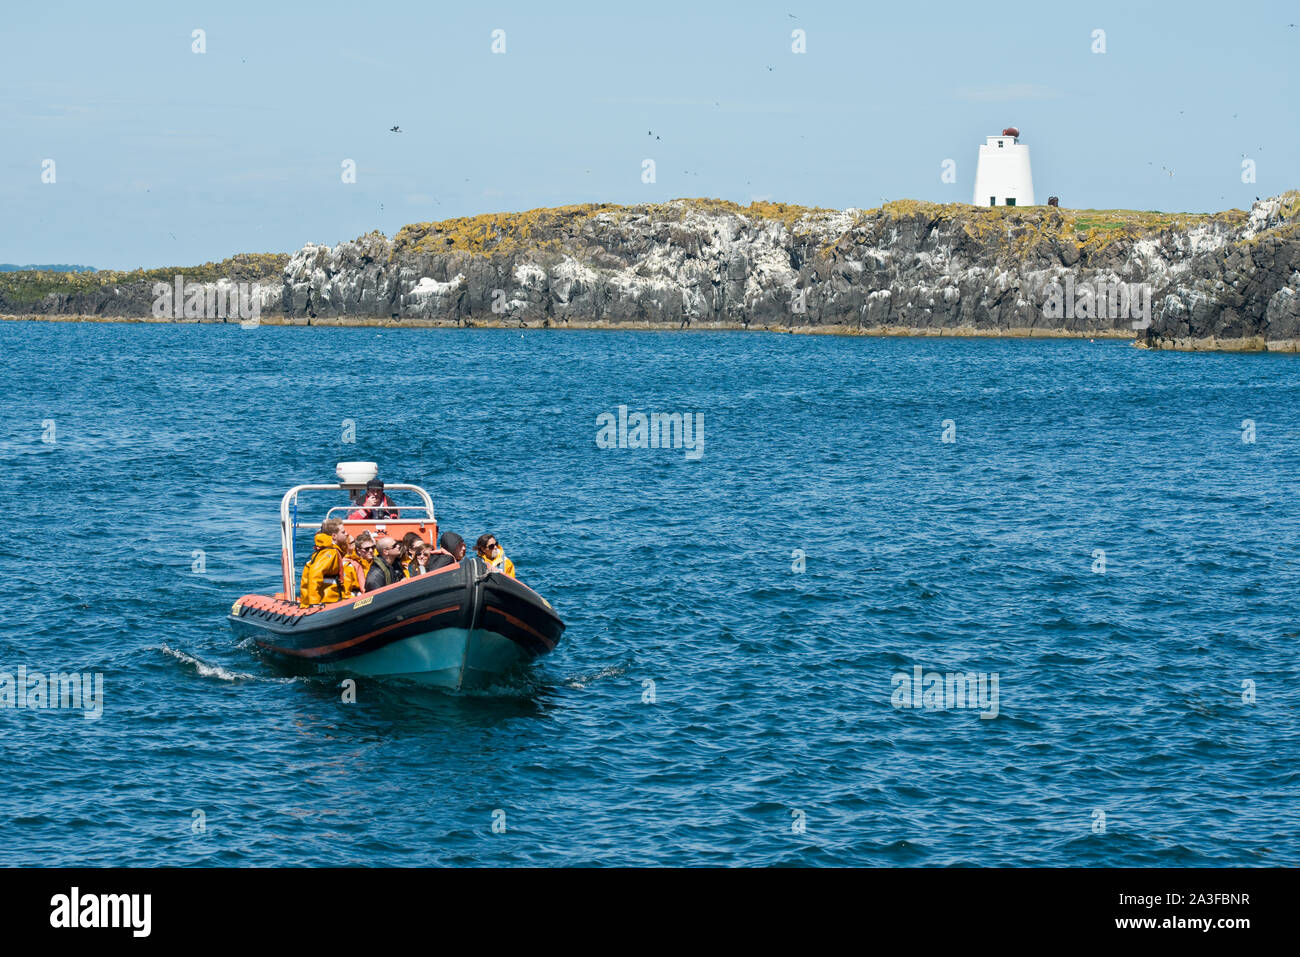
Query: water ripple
point(1099, 537)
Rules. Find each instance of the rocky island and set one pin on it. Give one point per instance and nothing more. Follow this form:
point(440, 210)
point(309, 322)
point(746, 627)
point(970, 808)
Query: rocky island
point(1227, 280)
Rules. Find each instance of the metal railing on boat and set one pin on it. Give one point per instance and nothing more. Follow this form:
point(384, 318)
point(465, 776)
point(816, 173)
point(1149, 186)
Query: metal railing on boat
point(289, 524)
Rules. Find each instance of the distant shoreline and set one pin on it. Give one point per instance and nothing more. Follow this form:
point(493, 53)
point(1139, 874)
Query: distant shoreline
point(1210, 344)
point(827, 329)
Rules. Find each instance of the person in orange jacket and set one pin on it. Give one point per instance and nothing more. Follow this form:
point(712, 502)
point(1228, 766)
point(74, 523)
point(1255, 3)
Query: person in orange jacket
point(355, 566)
point(323, 574)
point(364, 548)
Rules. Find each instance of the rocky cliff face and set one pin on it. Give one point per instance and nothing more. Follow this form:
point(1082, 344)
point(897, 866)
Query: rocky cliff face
point(1227, 280)
point(1242, 293)
point(136, 294)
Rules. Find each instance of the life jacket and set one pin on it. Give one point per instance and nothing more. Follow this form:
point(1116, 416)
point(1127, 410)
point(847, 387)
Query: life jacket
point(501, 563)
point(354, 576)
point(318, 587)
point(375, 513)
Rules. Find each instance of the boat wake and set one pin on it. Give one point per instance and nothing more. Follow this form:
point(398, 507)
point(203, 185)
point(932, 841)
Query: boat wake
point(580, 681)
point(203, 669)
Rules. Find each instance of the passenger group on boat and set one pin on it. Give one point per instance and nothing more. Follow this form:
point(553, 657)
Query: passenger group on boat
point(341, 566)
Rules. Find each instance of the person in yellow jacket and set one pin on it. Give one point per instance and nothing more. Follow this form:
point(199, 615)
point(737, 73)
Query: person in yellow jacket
point(323, 574)
point(354, 568)
point(364, 547)
point(409, 543)
point(491, 552)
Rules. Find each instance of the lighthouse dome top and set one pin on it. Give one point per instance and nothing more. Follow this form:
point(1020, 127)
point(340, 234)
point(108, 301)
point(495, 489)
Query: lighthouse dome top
point(1011, 131)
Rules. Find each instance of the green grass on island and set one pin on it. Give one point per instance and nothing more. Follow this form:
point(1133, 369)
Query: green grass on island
point(32, 286)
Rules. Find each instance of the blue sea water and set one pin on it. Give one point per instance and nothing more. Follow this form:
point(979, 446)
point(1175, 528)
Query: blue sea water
point(716, 700)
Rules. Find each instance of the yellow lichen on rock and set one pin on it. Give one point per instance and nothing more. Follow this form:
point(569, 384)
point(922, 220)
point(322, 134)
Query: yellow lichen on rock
point(492, 233)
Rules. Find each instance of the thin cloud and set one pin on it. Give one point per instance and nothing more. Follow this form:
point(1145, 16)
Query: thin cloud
point(1008, 93)
point(723, 106)
point(738, 106)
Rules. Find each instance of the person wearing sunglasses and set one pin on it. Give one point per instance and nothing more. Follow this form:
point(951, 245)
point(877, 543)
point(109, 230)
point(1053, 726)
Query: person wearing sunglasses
point(419, 559)
point(490, 550)
point(356, 564)
point(410, 541)
point(387, 566)
point(364, 549)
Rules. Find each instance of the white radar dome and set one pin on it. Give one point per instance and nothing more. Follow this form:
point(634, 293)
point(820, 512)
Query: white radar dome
point(356, 473)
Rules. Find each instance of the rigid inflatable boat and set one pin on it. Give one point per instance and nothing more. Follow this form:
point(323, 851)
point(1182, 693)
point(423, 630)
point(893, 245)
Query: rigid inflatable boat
point(461, 626)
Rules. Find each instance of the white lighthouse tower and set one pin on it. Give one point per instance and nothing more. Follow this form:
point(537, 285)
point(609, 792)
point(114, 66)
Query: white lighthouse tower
point(1002, 177)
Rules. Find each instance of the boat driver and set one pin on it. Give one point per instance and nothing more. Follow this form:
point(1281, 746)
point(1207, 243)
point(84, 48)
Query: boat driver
point(374, 498)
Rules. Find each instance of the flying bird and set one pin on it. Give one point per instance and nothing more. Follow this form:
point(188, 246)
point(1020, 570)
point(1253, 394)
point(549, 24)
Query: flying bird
point(394, 129)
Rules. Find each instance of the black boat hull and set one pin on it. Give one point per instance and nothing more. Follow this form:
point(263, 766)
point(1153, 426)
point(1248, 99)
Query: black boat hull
point(462, 626)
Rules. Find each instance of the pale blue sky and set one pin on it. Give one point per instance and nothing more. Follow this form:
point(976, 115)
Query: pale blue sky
point(166, 157)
